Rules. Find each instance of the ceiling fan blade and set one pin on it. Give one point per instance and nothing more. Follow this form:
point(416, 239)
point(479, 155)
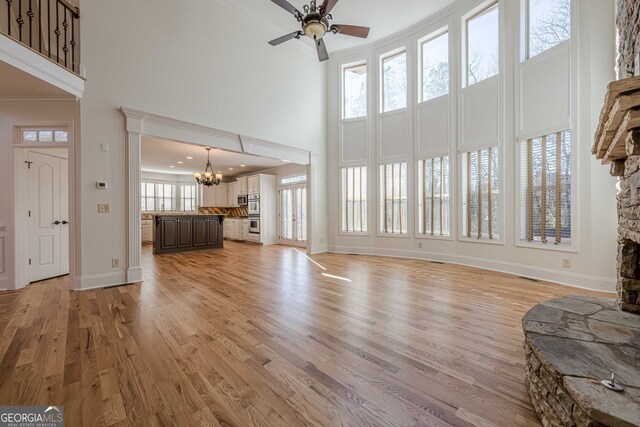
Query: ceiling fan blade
point(327, 5)
point(286, 37)
point(323, 55)
point(288, 7)
point(351, 30)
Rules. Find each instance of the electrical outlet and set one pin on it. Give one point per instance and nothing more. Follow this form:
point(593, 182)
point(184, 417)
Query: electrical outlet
point(104, 208)
point(566, 263)
point(419, 245)
point(115, 262)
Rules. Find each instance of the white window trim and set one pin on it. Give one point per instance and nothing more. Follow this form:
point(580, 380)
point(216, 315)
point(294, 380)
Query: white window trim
point(343, 68)
point(479, 10)
point(381, 59)
point(420, 42)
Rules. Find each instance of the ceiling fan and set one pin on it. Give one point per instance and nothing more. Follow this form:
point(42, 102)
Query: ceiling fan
point(315, 24)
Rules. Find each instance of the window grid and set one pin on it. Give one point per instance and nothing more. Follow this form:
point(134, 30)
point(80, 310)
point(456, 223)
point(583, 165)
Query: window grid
point(481, 193)
point(433, 196)
point(393, 206)
point(354, 199)
point(546, 181)
point(49, 135)
point(188, 197)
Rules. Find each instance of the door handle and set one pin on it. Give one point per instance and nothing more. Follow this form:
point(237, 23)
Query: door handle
point(56, 222)
point(65, 222)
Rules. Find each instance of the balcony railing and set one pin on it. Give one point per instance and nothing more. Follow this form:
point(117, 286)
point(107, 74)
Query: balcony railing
point(50, 27)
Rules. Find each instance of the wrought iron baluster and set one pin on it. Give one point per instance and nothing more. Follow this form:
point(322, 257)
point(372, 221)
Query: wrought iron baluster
point(9, 17)
point(73, 45)
point(30, 15)
point(20, 21)
point(49, 27)
point(65, 25)
point(57, 32)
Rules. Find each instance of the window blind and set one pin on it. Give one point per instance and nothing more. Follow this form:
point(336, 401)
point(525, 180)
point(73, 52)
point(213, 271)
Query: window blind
point(545, 189)
point(353, 196)
point(433, 196)
point(481, 193)
point(393, 198)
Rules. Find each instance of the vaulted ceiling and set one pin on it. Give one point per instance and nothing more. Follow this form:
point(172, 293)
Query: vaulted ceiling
point(385, 17)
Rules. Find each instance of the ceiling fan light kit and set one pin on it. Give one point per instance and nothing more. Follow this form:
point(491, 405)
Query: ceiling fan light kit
point(315, 25)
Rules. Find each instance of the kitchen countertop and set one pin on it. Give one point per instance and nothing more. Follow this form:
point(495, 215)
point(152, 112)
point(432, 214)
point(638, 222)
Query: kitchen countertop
point(185, 214)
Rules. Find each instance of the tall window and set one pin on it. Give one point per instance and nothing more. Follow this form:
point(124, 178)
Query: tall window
point(394, 82)
point(355, 91)
point(433, 196)
point(353, 196)
point(483, 45)
point(157, 197)
point(188, 197)
point(480, 193)
point(393, 198)
point(435, 67)
point(548, 24)
point(545, 190)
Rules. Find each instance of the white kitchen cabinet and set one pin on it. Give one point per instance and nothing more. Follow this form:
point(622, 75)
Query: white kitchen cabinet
point(147, 231)
point(242, 186)
point(232, 194)
point(253, 184)
point(245, 229)
point(208, 197)
point(215, 196)
point(233, 228)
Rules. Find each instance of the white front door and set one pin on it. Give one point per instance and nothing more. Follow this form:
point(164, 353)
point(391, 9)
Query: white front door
point(293, 215)
point(48, 217)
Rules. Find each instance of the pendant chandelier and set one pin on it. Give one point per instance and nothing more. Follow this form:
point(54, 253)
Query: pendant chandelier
point(208, 178)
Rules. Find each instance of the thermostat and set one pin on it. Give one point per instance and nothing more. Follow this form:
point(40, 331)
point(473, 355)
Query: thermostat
point(101, 185)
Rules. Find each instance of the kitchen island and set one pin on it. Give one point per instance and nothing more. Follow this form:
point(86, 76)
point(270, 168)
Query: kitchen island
point(187, 232)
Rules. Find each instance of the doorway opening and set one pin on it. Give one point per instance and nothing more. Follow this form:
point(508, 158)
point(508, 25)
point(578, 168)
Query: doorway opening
point(42, 208)
point(292, 211)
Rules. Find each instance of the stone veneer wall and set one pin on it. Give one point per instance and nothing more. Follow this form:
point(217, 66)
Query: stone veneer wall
point(628, 260)
point(628, 25)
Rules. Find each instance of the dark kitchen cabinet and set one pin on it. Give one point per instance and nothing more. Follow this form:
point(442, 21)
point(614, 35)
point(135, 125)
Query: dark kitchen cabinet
point(187, 232)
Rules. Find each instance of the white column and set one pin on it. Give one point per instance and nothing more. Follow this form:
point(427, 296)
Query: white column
point(134, 210)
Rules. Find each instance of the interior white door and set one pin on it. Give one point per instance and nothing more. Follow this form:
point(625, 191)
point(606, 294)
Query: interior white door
point(293, 215)
point(48, 236)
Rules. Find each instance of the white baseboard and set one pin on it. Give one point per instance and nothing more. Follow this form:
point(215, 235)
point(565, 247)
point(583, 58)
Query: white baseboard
point(318, 249)
point(576, 280)
point(104, 280)
point(134, 275)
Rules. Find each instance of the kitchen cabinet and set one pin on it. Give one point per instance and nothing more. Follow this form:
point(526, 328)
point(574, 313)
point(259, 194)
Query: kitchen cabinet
point(245, 229)
point(174, 233)
point(233, 229)
point(215, 196)
point(147, 230)
point(253, 184)
point(242, 186)
point(232, 194)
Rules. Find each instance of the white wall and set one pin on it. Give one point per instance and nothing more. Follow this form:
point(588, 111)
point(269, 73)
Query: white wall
point(197, 61)
point(592, 50)
point(12, 115)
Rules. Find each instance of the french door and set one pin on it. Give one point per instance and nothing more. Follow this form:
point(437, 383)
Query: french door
point(293, 215)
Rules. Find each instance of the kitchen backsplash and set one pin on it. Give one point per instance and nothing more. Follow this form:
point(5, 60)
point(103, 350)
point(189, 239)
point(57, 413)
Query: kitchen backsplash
point(232, 212)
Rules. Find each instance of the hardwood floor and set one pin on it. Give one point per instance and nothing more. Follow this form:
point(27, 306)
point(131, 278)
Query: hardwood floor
point(252, 335)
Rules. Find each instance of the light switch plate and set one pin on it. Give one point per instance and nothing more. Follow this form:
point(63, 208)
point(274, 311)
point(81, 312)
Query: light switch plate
point(104, 208)
point(104, 147)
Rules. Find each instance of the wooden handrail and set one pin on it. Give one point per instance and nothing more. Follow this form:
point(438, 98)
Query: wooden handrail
point(71, 8)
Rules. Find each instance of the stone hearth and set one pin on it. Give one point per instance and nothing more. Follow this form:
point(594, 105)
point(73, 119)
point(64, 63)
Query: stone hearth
point(573, 343)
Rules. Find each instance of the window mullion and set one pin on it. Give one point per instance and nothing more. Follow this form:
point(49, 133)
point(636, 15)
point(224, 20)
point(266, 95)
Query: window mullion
point(543, 204)
point(558, 170)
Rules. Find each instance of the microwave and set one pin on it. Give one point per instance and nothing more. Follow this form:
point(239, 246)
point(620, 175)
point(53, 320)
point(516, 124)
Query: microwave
point(242, 200)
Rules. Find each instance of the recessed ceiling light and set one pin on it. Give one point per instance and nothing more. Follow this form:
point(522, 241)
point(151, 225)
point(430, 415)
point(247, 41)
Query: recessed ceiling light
point(190, 158)
point(172, 166)
point(242, 166)
point(179, 162)
point(230, 169)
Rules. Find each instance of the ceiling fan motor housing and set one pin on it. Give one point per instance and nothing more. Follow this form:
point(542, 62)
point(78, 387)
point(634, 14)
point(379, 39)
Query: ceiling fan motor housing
point(315, 25)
